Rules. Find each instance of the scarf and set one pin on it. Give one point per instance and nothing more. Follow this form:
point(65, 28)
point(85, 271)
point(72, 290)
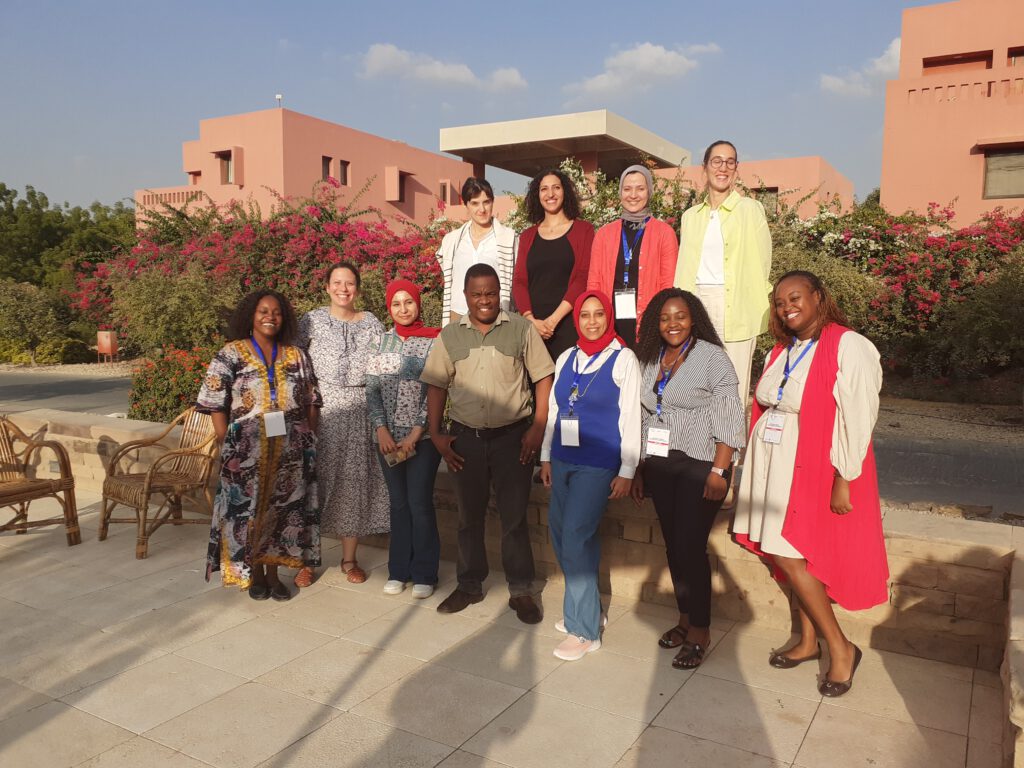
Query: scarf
point(591, 348)
point(639, 216)
point(416, 328)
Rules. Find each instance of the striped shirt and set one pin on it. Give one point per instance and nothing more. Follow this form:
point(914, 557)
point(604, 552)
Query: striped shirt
point(506, 244)
point(700, 405)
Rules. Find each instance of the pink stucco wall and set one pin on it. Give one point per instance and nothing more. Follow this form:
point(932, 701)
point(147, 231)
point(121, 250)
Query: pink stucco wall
point(946, 106)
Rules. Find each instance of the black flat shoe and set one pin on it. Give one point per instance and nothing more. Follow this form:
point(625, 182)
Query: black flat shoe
point(280, 592)
point(780, 661)
point(833, 689)
point(259, 591)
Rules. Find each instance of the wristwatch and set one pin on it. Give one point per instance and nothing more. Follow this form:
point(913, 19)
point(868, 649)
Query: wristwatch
point(718, 471)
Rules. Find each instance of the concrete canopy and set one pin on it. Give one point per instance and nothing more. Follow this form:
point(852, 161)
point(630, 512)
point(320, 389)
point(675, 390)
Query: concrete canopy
point(599, 140)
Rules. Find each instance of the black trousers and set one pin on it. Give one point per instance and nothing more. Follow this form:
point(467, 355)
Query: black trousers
point(676, 483)
point(492, 458)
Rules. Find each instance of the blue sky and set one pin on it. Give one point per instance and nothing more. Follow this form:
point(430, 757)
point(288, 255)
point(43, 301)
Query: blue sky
point(97, 97)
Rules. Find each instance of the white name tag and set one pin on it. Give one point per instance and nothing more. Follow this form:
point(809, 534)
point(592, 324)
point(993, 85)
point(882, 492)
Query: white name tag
point(273, 422)
point(625, 305)
point(570, 430)
point(658, 441)
point(773, 427)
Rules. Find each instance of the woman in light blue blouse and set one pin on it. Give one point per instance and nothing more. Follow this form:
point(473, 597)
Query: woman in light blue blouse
point(397, 403)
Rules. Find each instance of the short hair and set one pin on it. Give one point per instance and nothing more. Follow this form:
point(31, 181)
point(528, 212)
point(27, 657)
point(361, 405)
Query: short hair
point(701, 328)
point(240, 326)
point(570, 200)
point(480, 270)
point(473, 186)
point(828, 309)
point(344, 265)
point(712, 145)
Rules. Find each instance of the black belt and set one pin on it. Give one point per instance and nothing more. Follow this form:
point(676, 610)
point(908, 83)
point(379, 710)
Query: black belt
point(487, 433)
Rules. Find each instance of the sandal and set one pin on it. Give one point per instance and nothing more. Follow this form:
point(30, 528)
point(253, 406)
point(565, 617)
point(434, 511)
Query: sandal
point(355, 574)
point(690, 656)
point(674, 637)
point(304, 577)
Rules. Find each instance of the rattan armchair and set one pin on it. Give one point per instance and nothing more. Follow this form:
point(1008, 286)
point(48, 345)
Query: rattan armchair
point(180, 473)
point(18, 489)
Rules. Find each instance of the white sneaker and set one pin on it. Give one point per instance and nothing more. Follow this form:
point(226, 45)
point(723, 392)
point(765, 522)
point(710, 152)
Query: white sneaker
point(422, 591)
point(394, 587)
point(575, 648)
point(560, 624)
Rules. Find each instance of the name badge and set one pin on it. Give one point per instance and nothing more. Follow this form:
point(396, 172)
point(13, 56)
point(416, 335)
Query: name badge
point(569, 427)
point(658, 441)
point(625, 305)
point(773, 427)
point(273, 422)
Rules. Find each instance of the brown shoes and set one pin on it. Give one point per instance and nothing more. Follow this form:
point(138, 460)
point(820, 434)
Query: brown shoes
point(527, 610)
point(458, 601)
point(780, 661)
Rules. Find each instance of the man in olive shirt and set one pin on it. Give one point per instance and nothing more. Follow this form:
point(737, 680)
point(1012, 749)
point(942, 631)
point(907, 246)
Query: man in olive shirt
point(484, 364)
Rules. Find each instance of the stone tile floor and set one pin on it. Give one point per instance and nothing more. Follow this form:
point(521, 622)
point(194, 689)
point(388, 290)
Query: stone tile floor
point(107, 661)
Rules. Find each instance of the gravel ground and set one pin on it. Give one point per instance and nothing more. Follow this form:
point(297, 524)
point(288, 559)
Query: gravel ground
point(899, 417)
point(120, 369)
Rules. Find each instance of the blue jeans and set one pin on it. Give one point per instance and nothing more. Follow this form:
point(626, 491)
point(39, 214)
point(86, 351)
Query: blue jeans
point(415, 546)
point(579, 497)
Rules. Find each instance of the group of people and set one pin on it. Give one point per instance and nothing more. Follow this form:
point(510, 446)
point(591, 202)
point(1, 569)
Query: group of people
point(624, 371)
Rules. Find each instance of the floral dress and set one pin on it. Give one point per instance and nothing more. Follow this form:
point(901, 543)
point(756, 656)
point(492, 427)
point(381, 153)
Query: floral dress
point(266, 510)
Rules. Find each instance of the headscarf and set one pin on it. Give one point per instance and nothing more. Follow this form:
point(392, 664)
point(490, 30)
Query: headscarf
point(639, 216)
point(591, 348)
point(416, 328)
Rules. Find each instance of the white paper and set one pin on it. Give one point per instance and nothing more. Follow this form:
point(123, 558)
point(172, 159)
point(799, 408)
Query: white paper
point(625, 305)
point(273, 421)
point(570, 431)
point(773, 427)
point(657, 441)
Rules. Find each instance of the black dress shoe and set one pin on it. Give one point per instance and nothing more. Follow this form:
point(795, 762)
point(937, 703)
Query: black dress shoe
point(526, 609)
point(833, 689)
point(280, 592)
point(259, 591)
point(781, 661)
point(458, 601)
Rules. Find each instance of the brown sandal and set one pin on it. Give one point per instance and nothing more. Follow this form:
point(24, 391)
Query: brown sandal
point(305, 577)
point(674, 637)
point(355, 574)
point(690, 656)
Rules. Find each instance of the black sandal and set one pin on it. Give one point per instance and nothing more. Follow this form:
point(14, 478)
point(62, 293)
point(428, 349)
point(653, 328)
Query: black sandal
point(690, 656)
point(674, 637)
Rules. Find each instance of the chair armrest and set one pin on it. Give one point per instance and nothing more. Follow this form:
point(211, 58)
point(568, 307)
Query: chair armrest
point(199, 451)
point(134, 445)
point(62, 455)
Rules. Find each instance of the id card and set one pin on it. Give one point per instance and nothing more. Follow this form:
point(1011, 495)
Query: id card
point(273, 422)
point(625, 305)
point(658, 441)
point(570, 430)
point(773, 427)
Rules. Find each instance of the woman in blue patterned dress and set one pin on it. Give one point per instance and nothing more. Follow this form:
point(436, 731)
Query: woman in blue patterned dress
point(263, 397)
point(397, 403)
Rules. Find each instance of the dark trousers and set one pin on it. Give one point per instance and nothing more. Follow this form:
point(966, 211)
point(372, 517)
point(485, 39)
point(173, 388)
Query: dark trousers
point(492, 458)
point(676, 483)
point(415, 547)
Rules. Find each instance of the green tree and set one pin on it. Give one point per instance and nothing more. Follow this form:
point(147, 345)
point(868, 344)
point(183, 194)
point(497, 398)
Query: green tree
point(28, 316)
point(28, 228)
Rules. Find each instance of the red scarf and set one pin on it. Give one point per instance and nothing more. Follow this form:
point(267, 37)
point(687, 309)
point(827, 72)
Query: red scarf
point(591, 348)
point(416, 328)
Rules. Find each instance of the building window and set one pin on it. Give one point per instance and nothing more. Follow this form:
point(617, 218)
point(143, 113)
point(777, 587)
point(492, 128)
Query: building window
point(768, 197)
point(227, 167)
point(194, 177)
point(957, 62)
point(1015, 57)
point(402, 182)
point(1004, 173)
point(343, 172)
point(443, 192)
point(325, 168)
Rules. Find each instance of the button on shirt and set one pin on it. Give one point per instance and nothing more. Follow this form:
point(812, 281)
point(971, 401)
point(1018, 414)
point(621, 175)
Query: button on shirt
point(466, 255)
point(712, 255)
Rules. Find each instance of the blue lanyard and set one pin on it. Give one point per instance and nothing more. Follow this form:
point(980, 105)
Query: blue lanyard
point(577, 375)
point(790, 368)
point(666, 375)
point(270, 369)
point(627, 249)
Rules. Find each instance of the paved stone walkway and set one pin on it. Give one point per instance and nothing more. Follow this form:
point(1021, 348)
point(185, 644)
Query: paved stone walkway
point(106, 661)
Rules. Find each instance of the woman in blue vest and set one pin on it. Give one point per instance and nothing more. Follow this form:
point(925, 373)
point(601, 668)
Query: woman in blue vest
point(590, 452)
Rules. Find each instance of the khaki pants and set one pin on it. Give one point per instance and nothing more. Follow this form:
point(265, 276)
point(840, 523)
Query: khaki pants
point(741, 353)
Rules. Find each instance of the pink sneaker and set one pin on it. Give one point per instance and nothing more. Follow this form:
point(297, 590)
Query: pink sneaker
point(575, 648)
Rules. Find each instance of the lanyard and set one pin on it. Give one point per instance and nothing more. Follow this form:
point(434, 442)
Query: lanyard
point(789, 368)
point(666, 375)
point(270, 369)
point(627, 249)
point(577, 375)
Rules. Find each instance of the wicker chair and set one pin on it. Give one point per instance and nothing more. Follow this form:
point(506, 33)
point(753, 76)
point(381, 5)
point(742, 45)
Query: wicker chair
point(180, 473)
point(18, 489)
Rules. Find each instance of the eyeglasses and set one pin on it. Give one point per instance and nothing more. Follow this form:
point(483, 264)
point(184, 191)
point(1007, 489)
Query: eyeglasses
point(718, 162)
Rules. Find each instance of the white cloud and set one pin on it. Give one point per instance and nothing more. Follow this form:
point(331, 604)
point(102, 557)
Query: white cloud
point(863, 82)
point(637, 69)
point(387, 60)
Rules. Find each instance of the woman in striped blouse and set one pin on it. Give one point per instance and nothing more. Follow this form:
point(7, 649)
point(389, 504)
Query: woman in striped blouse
point(693, 424)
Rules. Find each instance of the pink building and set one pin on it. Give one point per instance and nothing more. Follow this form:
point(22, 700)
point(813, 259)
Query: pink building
point(954, 119)
point(253, 155)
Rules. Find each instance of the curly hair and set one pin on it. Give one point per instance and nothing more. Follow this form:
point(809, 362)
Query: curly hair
point(570, 201)
point(242, 318)
point(649, 346)
point(828, 310)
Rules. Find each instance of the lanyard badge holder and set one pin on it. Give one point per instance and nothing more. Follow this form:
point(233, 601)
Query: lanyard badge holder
point(659, 438)
point(625, 297)
point(569, 422)
point(273, 420)
point(776, 420)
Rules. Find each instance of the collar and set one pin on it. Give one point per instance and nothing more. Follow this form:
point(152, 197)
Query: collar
point(502, 318)
point(730, 202)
